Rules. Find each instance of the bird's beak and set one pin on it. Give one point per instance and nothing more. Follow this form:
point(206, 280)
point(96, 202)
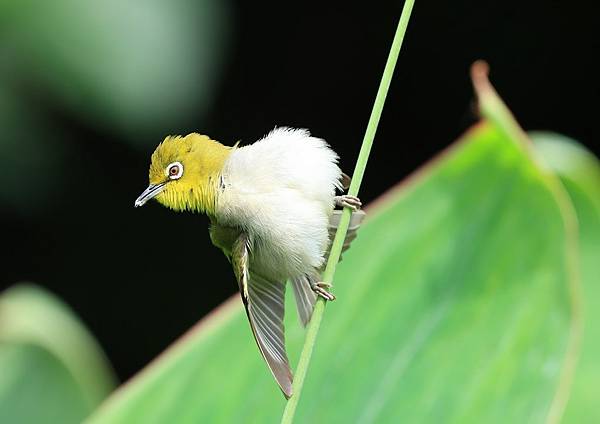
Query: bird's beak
point(152, 191)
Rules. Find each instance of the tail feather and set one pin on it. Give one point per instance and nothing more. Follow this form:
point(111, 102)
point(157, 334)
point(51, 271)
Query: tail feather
point(305, 296)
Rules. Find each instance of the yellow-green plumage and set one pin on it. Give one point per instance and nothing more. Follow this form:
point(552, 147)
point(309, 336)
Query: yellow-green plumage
point(202, 159)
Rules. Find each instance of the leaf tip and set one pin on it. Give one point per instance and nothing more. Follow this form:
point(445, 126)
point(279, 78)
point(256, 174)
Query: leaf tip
point(480, 71)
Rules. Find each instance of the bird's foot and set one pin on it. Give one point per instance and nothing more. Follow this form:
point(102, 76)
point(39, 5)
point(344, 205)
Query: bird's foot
point(322, 289)
point(346, 200)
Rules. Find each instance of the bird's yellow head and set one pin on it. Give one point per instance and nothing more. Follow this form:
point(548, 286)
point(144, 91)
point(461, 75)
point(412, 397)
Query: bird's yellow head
point(185, 173)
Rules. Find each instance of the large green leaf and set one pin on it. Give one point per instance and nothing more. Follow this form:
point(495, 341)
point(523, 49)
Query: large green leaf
point(457, 303)
point(579, 171)
point(53, 371)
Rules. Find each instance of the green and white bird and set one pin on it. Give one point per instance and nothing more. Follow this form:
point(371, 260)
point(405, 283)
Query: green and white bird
point(272, 210)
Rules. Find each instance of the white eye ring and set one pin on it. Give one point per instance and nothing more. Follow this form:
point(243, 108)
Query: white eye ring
point(174, 170)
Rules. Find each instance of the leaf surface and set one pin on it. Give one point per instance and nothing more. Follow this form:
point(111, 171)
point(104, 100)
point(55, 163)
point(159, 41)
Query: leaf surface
point(52, 369)
point(579, 171)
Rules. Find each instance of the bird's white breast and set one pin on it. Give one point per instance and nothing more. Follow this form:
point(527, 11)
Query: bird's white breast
point(280, 191)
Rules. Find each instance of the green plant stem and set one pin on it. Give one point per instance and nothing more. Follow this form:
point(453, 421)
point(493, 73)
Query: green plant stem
point(338, 241)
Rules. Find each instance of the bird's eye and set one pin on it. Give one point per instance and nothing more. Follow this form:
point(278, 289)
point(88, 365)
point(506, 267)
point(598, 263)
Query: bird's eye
point(174, 170)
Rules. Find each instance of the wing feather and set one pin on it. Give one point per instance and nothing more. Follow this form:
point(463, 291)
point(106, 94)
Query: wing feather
point(264, 301)
point(265, 309)
point(356, 220)
point(345, 181)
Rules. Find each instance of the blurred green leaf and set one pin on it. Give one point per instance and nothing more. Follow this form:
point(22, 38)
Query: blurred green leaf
point(579, 171)
point(457, 303)
point(36, 387)
point(135, 65)
point(52, 369)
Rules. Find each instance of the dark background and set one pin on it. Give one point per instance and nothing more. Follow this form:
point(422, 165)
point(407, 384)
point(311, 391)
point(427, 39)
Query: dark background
point(139, 278)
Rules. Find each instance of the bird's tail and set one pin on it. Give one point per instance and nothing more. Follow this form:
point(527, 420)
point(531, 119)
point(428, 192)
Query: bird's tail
point(305, 296)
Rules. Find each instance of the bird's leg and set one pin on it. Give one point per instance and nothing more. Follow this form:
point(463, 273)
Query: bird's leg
point(347, 200)
point(322, 289)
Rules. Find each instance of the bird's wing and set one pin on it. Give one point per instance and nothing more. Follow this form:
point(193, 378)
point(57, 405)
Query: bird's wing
point(345, 179)
point(334, 222)
point(264, 302)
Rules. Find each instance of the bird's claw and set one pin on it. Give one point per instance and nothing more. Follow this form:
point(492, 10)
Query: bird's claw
point(321, 288)
point(349, 201)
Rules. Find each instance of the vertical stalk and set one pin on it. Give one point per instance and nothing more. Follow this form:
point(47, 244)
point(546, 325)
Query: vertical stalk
point(336, 249)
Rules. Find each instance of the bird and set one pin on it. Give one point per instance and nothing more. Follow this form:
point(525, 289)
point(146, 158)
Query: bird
point(272, 211)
